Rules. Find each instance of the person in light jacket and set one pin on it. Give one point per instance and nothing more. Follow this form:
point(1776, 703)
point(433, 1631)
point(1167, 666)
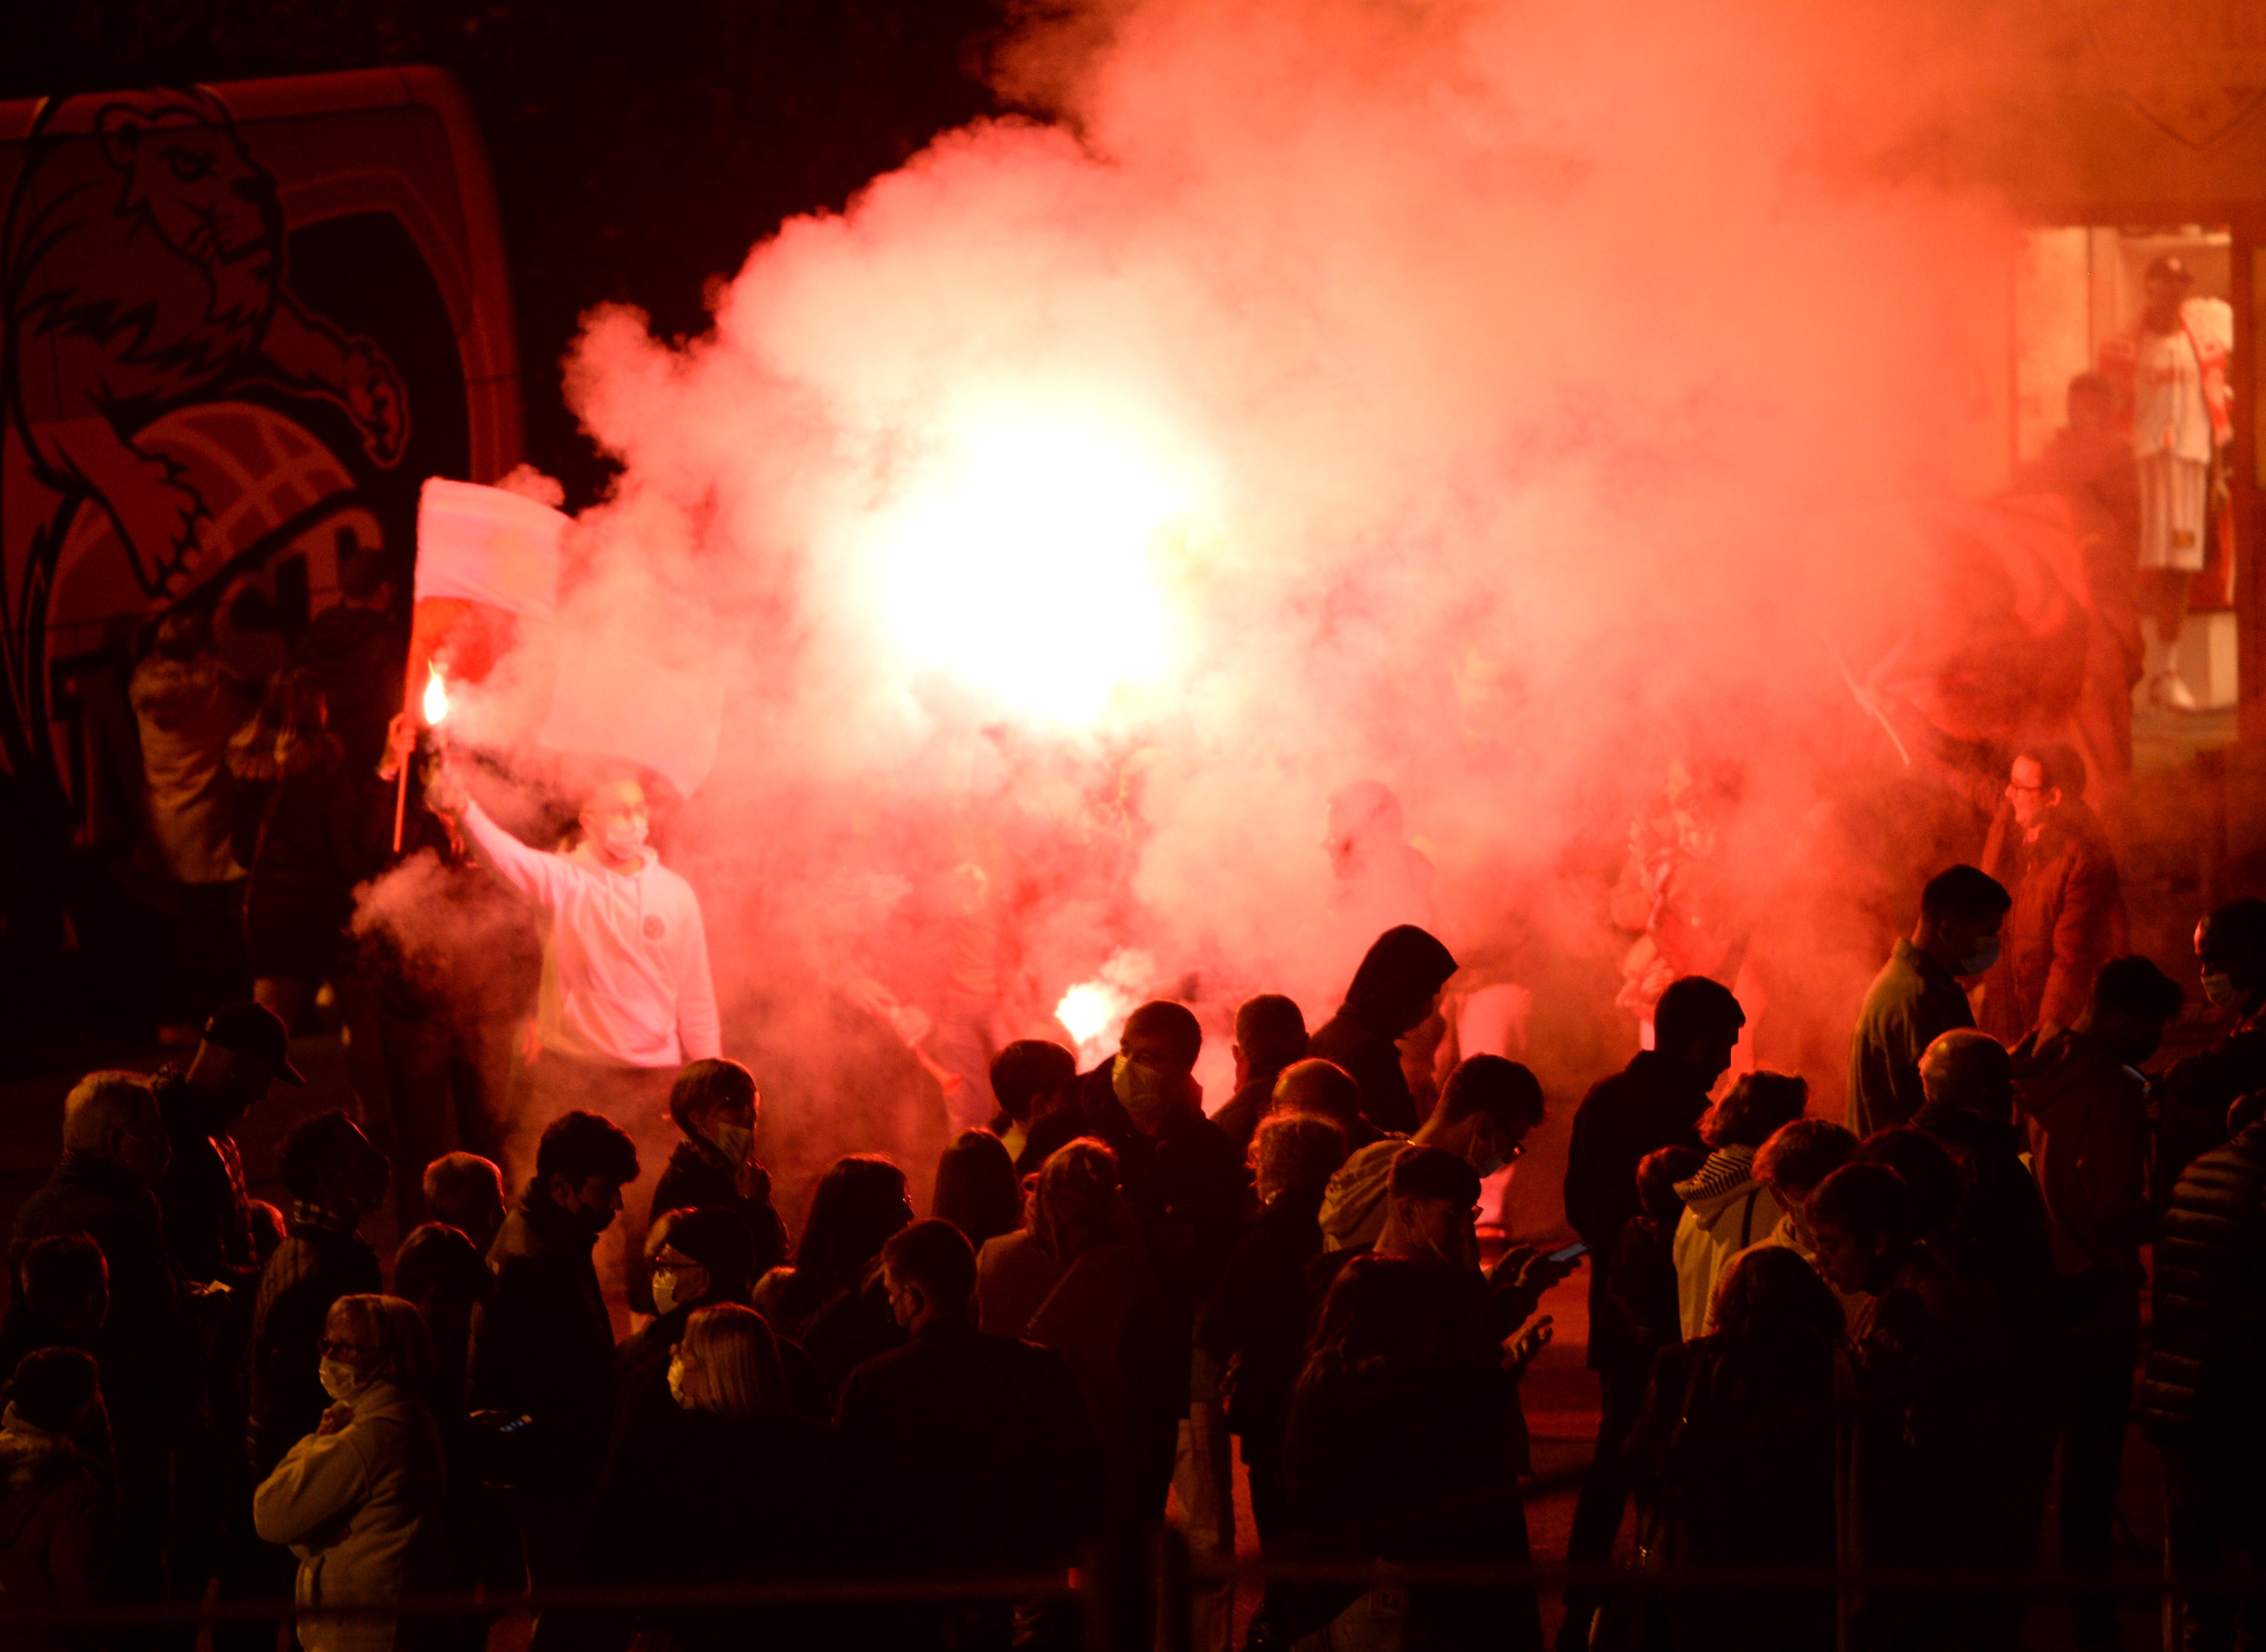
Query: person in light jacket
point(1725, 1208)
point(359, 1501)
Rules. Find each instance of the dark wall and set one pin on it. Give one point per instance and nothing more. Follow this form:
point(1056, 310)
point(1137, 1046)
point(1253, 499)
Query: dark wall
point(639, 149)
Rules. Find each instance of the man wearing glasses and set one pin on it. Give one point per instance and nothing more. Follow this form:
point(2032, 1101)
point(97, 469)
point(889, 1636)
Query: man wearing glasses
point(2068, 914)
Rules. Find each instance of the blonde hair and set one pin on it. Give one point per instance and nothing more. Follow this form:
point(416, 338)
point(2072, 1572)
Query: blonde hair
point(739, 1361)
point(396, 1330)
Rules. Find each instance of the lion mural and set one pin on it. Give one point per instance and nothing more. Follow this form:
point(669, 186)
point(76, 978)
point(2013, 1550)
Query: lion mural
point(143, 272)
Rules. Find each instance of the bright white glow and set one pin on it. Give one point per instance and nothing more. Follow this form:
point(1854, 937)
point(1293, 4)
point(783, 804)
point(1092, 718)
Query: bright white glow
point(436, 696)
point(1085, 1012)
point(1021, 564)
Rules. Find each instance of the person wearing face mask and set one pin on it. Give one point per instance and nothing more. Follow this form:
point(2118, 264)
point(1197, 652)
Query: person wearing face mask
point(358, 1498)
point(2067, 916)
point(2191, 1098)
point(544, 1348)
point(704, 1257)
point(114, 1153)
point(717, 1108)
point(2084, 1107)
point(627, 998)
point(1916, 998)
point(1406, 1440)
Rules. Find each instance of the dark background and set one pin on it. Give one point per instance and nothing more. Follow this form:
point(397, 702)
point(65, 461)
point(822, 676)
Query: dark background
point(639, 147)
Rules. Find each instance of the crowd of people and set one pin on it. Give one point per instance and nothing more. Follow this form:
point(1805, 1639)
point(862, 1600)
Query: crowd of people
point(1850, 1354)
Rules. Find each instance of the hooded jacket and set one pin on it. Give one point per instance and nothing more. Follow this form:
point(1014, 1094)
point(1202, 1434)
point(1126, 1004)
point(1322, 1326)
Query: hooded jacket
point(625, 979)
point(1725, 1211)
point(361, 1508)
point(1353, 1204)
point(1391, 995)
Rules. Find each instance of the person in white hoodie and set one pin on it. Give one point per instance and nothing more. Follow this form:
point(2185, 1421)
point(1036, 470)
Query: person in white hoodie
point(359, 1501)
point(1726, 1209)
point(627, 998)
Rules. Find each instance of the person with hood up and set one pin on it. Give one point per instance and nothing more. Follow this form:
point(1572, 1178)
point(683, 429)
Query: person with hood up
point(2084, 1110)
point(54, 1512)
point(1394, 992)
point(1726, 1209)
point(359, 1500)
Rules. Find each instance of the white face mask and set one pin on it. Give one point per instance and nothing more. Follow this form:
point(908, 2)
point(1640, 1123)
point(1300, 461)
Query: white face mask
point(2219, 988)
point(1981, 957)
point(664, 1300)
point(736, 1142)
point(1143, 1092)
point(623, 839)
point(341, 1381)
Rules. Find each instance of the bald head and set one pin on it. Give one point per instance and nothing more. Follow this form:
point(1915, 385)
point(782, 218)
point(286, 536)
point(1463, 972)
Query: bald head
point(1320, 1087)
point(112, 1116)
point(1970, 1070)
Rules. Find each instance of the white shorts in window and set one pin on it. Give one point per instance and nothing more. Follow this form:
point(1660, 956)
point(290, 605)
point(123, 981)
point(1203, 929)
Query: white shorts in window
point(2171, 511)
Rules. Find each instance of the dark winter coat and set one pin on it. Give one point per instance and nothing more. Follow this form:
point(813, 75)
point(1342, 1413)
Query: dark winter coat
point(438, 1268)
point(208, 1213)
point(315, 1264)
point(983, 1449)
point(1258, 1317)
point(697, 1178)
point(2204, 1384)
point(1654, 1102)
point(2192, 1097)
point(544, 1347)
point(1187, 1187)
point(1998, 1234)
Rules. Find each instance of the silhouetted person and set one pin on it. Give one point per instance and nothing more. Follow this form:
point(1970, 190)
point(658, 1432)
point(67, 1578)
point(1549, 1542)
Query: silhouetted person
point(1657, 1101)
point(1020, 1493)
point(114, 1154)
point(1486, 1110)
point(544, 1348)
point(1737, 1444)
point(1254, 1329)
point(716, 1106)
point(1917, 997)
point(729, 1486)
point(1640, 1282)
point(1406, 1440)
point(55, 1512)
point(2193, 1095)
point(1394, 992)
point(2086, 1111)
point(1929, 1472)
point(1036, 1084)
point(2067, 918)
point(2202, 1393)
point(1327, 1091)
point(1270, 1033)
point(335, 1178)
point(62, 1300)
point(976, 1189)
point(829, 1300)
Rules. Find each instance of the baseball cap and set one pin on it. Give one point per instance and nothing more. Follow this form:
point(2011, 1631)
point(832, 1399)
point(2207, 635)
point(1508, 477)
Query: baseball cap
point(254, 1029)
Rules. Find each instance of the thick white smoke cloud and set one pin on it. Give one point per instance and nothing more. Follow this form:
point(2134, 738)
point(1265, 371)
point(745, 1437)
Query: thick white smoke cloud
point(1495, 400)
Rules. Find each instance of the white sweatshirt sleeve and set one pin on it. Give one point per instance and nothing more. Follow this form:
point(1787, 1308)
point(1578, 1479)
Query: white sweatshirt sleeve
point(698, 1028)
point(322, 1477)
point(532, 873)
